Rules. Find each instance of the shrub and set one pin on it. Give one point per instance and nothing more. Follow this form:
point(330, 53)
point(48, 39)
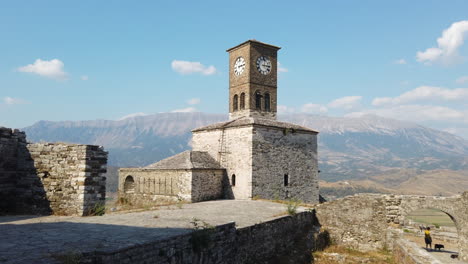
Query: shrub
point(291, 206)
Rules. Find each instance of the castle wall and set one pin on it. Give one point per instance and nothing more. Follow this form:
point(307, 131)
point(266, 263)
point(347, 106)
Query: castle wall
point(73, 176)
point(232, 148)
point(58, 178)
point(278, 152)
point(13, 164)
point(285, 240)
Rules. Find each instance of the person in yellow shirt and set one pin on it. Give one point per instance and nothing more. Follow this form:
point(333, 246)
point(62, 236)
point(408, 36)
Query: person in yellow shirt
point(427, 237)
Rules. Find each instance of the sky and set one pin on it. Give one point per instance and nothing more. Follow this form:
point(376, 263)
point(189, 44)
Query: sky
point(87, 60)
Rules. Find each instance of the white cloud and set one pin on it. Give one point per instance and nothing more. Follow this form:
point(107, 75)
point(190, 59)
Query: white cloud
point(417, 113)
point(189, 67)
point(84, 77)
point(346, 103)
point(50, 69)
point(400, 61)
point(447, 45)
point(424, 93)
point(132, 115)
point(185, 110)
point(13, 101)
point(314, 108)
point(285, 109)
point(193, 101)
point(462, 80)
point(281, 69)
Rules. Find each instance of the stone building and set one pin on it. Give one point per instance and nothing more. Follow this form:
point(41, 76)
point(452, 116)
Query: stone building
point(255, 155)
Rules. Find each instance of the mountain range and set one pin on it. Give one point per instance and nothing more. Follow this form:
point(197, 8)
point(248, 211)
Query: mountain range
point(357, 148)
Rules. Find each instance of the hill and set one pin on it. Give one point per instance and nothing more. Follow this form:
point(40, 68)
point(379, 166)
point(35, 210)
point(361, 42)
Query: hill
point(349, 148)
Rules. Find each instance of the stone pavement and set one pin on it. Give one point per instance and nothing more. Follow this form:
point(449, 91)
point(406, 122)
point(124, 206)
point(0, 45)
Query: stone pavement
point(32, 239)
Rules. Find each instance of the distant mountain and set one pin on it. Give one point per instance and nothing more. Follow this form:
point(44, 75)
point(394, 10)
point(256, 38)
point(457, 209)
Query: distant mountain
point(349, 148)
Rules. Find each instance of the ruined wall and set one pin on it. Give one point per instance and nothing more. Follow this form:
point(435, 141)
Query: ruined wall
point(44, 178)
point(357, 221)
point(365, 221)
point(20, 189)
point(150, 185)
point(232, 148)
point(285, 164)
point(285, 240)
point(72, 175)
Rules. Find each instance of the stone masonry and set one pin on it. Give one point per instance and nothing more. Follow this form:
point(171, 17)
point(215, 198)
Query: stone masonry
point(365, 221)
point(191, 176)
point(73, 176)
point(44, 178)
point(267, 158)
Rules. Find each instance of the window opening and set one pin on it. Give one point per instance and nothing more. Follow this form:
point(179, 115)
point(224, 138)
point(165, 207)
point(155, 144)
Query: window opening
point(242, 101)
point(234, 103)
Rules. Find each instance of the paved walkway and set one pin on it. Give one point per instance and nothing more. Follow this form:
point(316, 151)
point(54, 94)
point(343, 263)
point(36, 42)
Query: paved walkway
point(443, 256)
point(30, 239)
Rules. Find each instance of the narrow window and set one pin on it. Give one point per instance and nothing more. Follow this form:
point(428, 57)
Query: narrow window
point(267, 102)
point(234, 103)
point(258, 101)
point(286, 180)
point(233, 180)
point(129, 185)
point(242, 101)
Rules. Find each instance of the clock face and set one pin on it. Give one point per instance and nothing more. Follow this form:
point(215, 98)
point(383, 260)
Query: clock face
point(239, 66)
point(264, 65)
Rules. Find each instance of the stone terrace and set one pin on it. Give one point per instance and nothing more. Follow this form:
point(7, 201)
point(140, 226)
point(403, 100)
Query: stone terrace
point(32, 239)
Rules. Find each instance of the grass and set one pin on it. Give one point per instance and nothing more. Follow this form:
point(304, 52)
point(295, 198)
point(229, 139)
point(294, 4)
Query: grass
point(291, 206)
point(341, 254)
point(431, 217)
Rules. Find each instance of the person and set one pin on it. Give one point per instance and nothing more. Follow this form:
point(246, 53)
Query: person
point(427, 237)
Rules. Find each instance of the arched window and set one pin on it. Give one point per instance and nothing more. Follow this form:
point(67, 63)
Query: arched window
point(286, 180)
point(258, 100)
point(267, 102)
point(234, 103)
point(129, 185)
point(242, 101)
point(233, 180)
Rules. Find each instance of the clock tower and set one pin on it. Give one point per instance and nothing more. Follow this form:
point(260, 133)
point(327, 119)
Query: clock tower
point(253, 74)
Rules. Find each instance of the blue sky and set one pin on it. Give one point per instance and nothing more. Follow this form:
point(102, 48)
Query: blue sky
point(85, 60)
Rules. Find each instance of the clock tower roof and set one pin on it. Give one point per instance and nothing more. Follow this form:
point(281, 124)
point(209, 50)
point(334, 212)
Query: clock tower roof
point(253, 41)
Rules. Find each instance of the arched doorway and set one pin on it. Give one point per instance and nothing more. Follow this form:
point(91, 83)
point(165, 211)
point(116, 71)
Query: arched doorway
point(129, 184)
point(443, 231)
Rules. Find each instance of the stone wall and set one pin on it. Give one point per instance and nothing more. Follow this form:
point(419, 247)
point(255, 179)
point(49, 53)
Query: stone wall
point(72, 175)
point(357, 221)
point(207, 185)
point(14, 176)
point(150, 185)
point(44, 178)
point(285, 164)
point(285, 240)
point(365, 221)
point(232, 148)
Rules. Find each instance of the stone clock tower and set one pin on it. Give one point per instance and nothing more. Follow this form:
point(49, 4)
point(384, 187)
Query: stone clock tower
point(253, 78)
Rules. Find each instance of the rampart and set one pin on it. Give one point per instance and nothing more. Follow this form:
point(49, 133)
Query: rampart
point(285, 240)
point(365, 221)
point(45, 178)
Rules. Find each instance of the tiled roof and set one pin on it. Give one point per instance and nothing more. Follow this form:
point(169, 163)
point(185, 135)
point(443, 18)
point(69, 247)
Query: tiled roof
point(244, 121)
point(187, 160)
